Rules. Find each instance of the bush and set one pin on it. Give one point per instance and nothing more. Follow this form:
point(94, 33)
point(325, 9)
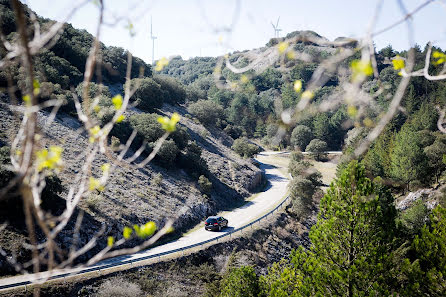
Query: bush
point(301, 136)
point(206, 111)
point(301, 192)
point(317, 148)
point(296, 156)
point(244, 148)
point(205, 185)
point(167, 153)
point(176, 92)
point(147, 126)
point(94, 90)
point(233, 131)
point(148, 95)
point(181, 137)
point(414, 218)
point(119, 287)
point(191, 160)
point(240, 282)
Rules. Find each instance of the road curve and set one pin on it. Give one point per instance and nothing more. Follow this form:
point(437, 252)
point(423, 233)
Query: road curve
point(249, 212)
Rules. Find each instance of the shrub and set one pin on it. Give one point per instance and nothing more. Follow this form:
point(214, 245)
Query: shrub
point(206, 111)
point(301, 192)
point(414, 218)
point(147, 126)
point(94, 90)
point(205, 185)
point(317, 148)
point(296, 156)
point(191, 160)
point(156, 180)
point(233, 131)
point(241, 282)
point(148, 94)
point(181, 137)
point(167, 153)
point(119, 287)
point(93, 200)
point(176, 92)
point(244, 148)
point(301, 136)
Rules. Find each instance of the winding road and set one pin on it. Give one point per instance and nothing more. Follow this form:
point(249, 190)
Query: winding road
point(261, 203)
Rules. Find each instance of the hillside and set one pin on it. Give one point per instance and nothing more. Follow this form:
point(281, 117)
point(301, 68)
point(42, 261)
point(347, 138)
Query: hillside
point(165, 188)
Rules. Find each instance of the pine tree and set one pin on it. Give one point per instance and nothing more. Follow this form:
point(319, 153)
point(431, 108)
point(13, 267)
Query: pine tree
point(350, 239)
point(425, 273)
point(408, 161)
point(377, 159)
point(351, 244)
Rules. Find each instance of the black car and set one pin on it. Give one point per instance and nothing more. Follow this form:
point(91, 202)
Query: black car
point(215, 223)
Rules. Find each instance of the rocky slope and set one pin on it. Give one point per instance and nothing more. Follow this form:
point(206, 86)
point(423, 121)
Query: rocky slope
point(133, 195)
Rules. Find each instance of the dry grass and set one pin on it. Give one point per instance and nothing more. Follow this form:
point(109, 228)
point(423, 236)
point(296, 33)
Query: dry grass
point(327, 169)
point(119, 287)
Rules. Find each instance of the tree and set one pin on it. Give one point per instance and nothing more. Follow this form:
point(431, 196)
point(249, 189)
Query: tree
point(349, 240)
point(149, 94)
point(175, 90)
point(301, 136)
point(241, 282)
point(301, 192)
point(269, 79)
point(351, 244)
point(425, 272)
point(435, 154)
point(321, 127)
point(206, 111)
point(244, 147)
point(425, 118)
point(377, 160)
point(408, 161)
point(282, 280)
point(317, 148)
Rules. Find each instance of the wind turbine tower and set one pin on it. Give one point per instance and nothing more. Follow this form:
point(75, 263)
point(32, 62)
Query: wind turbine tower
point(153, 42)
point(276, 28)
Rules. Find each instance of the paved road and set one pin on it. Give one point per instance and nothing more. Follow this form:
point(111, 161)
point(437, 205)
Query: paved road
point(253, 209)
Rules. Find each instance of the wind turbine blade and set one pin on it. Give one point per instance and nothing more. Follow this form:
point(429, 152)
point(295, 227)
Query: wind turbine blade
point(273, 25)
point(277, 25)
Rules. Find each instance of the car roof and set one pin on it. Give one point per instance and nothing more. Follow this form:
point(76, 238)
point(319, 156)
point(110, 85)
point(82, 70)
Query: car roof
point(213, 217)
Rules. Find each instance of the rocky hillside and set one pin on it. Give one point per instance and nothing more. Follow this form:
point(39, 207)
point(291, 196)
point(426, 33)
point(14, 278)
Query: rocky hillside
point(133, 195)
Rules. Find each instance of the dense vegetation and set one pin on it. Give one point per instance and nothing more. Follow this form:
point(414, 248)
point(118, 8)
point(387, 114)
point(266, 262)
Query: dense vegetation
point(360, 247)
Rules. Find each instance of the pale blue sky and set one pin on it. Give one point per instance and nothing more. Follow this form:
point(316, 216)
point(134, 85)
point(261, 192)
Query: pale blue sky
point(193, 28)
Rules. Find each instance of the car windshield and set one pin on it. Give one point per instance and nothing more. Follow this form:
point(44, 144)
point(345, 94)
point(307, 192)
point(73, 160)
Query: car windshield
point(211, 220)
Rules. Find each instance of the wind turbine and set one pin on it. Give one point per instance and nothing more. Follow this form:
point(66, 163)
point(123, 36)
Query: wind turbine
point(153, 42)
point(276, 29)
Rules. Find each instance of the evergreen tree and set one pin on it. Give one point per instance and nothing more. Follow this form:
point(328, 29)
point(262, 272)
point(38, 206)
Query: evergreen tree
point(241, 282)
point(351, 244)
point(425, 273)
point(408, 161)
point(350, 238)
point(377, 160)
point(435, 154)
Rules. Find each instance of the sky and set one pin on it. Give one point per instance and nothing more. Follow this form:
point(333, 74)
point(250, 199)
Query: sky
point(214, 27)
